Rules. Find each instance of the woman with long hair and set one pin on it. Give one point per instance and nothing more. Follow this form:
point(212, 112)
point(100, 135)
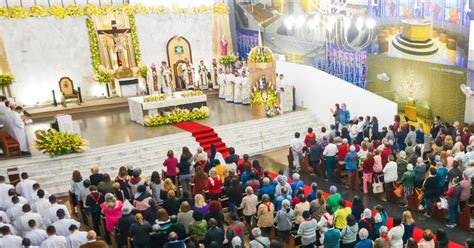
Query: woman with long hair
point(442, 240)
point(317, 207)
point(171, 164)
point(215, 185)
point(155, 185)
point(140, 232)
point(167, 186)
point(200, 181)
point(112, 210)
point(214, 154)
point(200, 204)
point(77, 185)
point(215, 212)
point(185, 215)
point(258, 169)
point(409, 226)
point(105, 186)
point(122, 178)
point(357, 207)
point(184, 166)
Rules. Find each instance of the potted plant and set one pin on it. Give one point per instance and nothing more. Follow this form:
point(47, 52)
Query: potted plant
point(143, 73)
point(5, 82)
point(228, 61)
point(106, 77)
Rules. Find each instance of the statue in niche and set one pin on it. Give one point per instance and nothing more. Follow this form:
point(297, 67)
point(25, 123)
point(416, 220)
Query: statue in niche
point(223, 44)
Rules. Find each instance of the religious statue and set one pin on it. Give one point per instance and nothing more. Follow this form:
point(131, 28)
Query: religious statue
point(154, 76)
point(237, 88)
point(115, 46)
point(223, 44)
point(246, 88)
point(263, 86)
point(221, 83)
point(202, 70)
point(187, 74)
point(229, 85)
point(165, 77)
point(214, 73)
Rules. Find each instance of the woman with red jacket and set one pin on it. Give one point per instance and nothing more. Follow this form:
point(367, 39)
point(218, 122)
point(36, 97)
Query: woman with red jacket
point(215, 185)
point(343, 150)
point(368, 170)
point(309, 137)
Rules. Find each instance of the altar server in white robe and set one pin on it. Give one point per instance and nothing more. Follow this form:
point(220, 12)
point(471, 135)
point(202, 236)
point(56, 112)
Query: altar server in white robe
point(221, 83)
point(4, 197)
point(4, 217)
point(8, 116)
point(246, 89)
point(53, 241)
point(203, 71)
point(42, 206)
point(229, 86)
point(18, 128)
point(36, 235)
point(77, 238)
point(10, 241)
point(53, 209)
point(22, 223)
point(3, 109)
point(62, 224)
point(237, 88)
point(25, 186)
point(15, 210)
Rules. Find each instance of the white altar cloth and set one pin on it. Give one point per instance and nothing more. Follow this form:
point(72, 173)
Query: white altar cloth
point(139, 108)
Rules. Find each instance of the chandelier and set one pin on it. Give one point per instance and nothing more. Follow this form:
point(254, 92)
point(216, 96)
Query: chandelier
point(329, 25)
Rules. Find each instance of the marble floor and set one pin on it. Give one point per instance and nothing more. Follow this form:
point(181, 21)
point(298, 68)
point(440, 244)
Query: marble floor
point(115, 127)
point(276, 160)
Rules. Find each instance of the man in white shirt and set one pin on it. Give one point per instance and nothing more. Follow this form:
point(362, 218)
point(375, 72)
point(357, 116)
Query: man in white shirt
point(34, 195)
point(53, 240)
point(62, 224)
point(41, 207)
point(4, 187)
point(11, 193)
point(8, 240)
point(53, 209)
point(25, 186)
point(16, 210)
point(330, 152)
point(390, 176)
point(35, 235)
point(21, 222)
point(77, 238)
point(12, 228)
point(4, 217)
point(297, 145)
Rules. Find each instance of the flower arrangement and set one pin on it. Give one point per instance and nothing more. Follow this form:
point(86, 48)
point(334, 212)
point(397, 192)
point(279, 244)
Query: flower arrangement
point(133, 33)
point(271, 99)
point(93, 45)
point(192, 93)
point(261, 55)
point(176, 116)
point(103, 75)
point(6, 80)
point(18, 12)
point(142, 71)
point(270, 111)
point(55, 143)
point(228, 60)
point(156, 98)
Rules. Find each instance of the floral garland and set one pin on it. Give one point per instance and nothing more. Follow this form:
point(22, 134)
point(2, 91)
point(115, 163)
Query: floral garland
point(133, 33)
point(156, 98)
point(192, 93)
point(257, 99)
point(55, 143)
point(93, 45)
point(19, 12)
point(261, 55)
point(176, 116)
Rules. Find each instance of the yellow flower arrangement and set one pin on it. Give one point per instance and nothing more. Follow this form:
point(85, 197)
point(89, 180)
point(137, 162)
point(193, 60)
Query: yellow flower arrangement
point(257, 99)
point(176, 116)
point(156, 98)
point(192, 93)
point(55, 143)
point(19, 12)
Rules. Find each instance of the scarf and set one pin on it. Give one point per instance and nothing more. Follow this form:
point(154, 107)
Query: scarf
point(267, 204)
point(384, 237)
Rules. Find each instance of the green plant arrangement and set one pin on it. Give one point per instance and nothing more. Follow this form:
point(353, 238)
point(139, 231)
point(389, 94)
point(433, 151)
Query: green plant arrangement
point(6, 80)
point(177, 116)
point(192, 93)
point(156, 98)
point(143, 71)
point(55, 143)
point(261, 55)
point(103, 75)
point(270, 111)
point(228, 60)
point(257, 99)
point(93, 45)
point(18, 12)
point(133, 33)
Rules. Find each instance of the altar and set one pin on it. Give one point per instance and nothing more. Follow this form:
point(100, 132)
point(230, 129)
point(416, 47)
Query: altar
point(140, 106)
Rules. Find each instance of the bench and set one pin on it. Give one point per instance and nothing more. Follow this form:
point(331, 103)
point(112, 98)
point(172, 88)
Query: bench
point(413, 202)
point(9, 145)
point(436, 213)
point(464, 218)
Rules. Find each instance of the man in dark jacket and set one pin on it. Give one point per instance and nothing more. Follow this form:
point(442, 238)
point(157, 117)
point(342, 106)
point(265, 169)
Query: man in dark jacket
point(177, 228)
point(123, 225)
point(214, 233)
point(430, 190)
point(315, 154)
point(454, 195)
point(93, 201)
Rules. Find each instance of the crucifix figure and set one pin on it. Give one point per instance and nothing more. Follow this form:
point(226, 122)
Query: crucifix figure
point(119, 48)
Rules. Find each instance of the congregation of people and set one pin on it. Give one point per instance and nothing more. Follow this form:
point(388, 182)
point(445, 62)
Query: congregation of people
point(218, 200)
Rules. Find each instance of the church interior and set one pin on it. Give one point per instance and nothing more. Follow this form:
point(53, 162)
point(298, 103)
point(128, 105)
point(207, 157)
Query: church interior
point(236, 123)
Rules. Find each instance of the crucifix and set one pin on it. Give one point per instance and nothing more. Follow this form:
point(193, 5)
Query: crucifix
point(113, 34)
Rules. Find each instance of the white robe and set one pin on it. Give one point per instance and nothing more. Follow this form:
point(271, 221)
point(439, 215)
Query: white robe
point(238, 89)
point(42, 206)
point(36, 236)
point(14, 211)
point(8, 122)
point(25, 188)
point(202, 74)
point(21, 223)
point(53, 209)
point(11, 241)
point(229, 87)
point(221, 84)
point(62, 226)
point(3, 110)
point(4, 187)
point(76, 239)
point(5, 218)
point(246, 90)
point(54, 241)
point(18, 130)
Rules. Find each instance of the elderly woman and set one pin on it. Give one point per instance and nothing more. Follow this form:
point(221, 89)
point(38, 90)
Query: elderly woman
point(215, 185)
point(200, 205)
point(249, 205)
point(284, 221)
point(265, 214)
point(185, 215)
point(300, 208)
point(333, 199)
point(364, 242)
point(382, 241)
point(258, 239)
point(112, 210)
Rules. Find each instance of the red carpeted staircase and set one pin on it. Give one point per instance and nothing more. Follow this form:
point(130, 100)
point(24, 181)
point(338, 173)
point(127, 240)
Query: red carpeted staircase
point(205, 136)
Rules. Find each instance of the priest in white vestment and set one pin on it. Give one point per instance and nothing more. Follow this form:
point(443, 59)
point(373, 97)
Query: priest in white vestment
point(246, 89)
point(77, 238)
point(202, 70)
point(53, 239)
point(36, 235)
point(165, 78)
point(62, 224)
point(221, 83)
point(8, 240)
point(22, 223)
point(237, 88)
point(17, 125)
point(229, 86)
point(3, 110)
point(214, 74)
point(4, 188)
point(25, 186)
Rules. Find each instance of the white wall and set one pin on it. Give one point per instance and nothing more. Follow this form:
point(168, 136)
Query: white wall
point(42, 50)
point(319, 92)
point(154, 32)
